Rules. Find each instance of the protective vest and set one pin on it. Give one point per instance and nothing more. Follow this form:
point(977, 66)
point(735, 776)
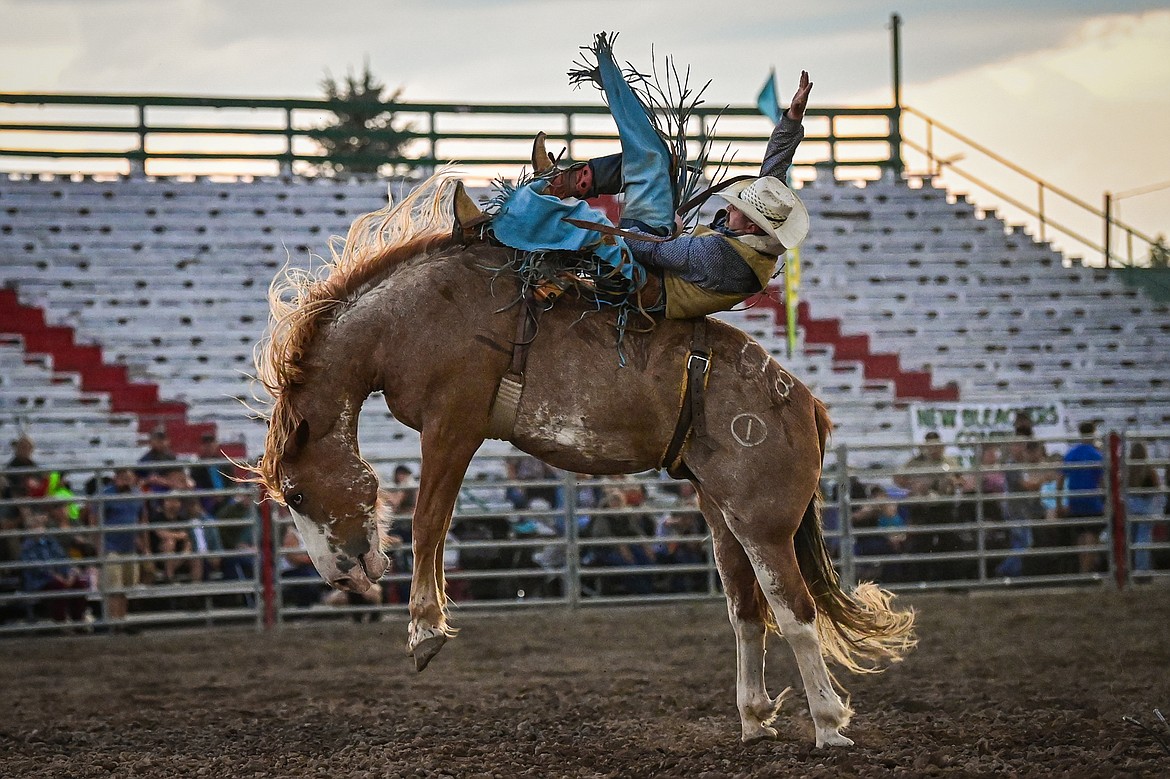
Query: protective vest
point(685, 299)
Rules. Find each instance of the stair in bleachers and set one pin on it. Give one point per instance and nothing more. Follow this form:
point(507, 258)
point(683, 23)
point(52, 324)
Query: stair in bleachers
point(96, 376)
point(69, 426)
point(879, 366)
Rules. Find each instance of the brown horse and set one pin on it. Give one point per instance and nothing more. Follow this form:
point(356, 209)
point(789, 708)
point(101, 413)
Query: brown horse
point(404, 309)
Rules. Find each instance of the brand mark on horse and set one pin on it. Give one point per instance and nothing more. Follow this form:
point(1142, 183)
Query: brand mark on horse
point(749, 429)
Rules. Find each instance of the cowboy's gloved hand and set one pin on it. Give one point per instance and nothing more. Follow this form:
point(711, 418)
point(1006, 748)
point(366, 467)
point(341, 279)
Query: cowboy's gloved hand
point(800, 99)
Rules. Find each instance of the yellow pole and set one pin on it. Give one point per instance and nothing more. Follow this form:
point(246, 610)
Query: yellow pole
point(791, 296)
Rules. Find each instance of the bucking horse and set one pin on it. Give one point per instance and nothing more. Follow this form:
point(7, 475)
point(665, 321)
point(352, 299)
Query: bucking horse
point(406, 308)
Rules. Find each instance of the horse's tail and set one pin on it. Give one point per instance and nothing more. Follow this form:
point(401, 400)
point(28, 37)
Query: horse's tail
point(859, 629)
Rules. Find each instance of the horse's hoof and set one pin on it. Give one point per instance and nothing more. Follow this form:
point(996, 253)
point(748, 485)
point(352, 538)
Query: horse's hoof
point(426, 649)
point(831, 738)
point(761, 733)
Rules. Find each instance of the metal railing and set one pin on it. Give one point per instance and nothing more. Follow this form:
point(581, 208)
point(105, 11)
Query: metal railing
point(946, 152)
point(189, 135)
point(556, 539)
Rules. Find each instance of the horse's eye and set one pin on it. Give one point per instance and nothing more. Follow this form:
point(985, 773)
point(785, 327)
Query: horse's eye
point(296, 499)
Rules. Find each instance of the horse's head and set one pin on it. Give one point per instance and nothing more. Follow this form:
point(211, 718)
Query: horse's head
point(333, 496)
point(315, 361)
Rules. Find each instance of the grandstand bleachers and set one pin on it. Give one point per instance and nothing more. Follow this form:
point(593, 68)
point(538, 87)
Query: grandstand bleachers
point(908, 292)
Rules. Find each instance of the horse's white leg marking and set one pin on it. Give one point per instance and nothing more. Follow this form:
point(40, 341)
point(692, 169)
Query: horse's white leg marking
point(829, 713)
point(756, 709)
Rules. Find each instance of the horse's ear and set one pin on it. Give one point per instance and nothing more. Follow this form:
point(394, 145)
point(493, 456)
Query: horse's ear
point(300, 438)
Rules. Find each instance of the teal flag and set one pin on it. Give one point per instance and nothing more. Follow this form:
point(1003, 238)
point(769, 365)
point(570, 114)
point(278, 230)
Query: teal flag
point(767, 102)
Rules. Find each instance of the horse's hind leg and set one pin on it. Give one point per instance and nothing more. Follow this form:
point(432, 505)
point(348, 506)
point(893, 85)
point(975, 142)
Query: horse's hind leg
point(774, 560)
point(747, 610)
point(445, 457)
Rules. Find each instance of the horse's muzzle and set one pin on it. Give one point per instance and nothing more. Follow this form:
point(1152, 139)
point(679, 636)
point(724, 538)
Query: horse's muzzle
point(371, 566)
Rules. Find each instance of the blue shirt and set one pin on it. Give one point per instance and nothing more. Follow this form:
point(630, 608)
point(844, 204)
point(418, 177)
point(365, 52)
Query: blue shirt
point(1085, 480)
point(40, 550)
point(120, 513)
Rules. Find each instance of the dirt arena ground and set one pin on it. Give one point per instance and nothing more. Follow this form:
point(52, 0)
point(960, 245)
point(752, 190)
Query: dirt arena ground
point(1001, 685)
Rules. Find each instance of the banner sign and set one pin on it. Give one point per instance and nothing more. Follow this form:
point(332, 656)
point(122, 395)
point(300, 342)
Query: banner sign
point(961, 424)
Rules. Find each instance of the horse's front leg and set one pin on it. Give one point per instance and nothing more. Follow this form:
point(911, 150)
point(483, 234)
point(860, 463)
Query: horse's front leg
point(446, 454)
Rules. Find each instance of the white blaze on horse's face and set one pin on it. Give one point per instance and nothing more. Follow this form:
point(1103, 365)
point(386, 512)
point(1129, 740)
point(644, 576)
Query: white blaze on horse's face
point(333, 497)
point(344, 570)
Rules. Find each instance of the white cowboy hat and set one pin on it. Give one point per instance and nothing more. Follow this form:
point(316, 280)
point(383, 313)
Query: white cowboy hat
point(769, 203)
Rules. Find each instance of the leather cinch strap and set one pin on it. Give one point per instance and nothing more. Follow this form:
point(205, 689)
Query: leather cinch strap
point(692, 417)
point(506, 406)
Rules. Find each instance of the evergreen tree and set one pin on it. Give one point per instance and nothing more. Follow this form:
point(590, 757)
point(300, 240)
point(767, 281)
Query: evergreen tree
point(369, 137)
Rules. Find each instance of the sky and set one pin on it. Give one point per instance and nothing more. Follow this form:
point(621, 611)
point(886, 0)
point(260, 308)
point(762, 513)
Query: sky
point(1076, 92)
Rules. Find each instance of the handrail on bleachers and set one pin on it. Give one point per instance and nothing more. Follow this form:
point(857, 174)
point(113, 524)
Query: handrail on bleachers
point(960, 145)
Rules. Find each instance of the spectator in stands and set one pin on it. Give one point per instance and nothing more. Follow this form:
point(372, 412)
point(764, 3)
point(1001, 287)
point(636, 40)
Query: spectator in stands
point(933, 471)
point(14, 487)
point(213, 473)
point(1142, 504)
point(17, 485)
point(1024, 478)
point(119, 573)
point(539, 524)
point(1159, 253)
point(158, 451)
point(67, 515)
point(1023, 425)
point(220, 511)
point(933, 479)
point(400, 500)
point(170, 480)
point(1082, 478)
point(47, 569)
point(638, 551)
point(482, 529)
point(22, 452)
point(994, 480)
point(992, 488)
point(402, 496)
point(884, 514)
point(529, 469)
point(1048, 490)
point(167, 538)
point(684, 519)
point(303, 586)
point(830, 512)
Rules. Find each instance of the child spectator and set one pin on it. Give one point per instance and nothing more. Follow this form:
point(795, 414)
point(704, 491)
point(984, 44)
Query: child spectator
point(48, 570)
point(121, 523)
point(167, 539)
point(1142, 504)
point(883, 513)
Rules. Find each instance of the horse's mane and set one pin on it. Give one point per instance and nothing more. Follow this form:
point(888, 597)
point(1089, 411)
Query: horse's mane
point(300, 300)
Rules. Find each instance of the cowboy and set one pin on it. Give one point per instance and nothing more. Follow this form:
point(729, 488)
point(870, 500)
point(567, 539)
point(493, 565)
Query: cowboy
point(715, 267)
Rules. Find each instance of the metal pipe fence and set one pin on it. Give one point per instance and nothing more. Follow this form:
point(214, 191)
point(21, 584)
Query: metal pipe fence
point(1001, 513)
point(166, 135)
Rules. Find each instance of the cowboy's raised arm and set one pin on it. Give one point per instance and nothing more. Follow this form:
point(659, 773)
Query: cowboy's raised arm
point(788, 133)
point(800, 99)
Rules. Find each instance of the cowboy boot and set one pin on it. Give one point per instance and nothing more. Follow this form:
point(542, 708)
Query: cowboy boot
point(542, 161)
point(561, 183)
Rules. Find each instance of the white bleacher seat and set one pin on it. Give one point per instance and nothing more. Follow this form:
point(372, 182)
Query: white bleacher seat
point(170, 279)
